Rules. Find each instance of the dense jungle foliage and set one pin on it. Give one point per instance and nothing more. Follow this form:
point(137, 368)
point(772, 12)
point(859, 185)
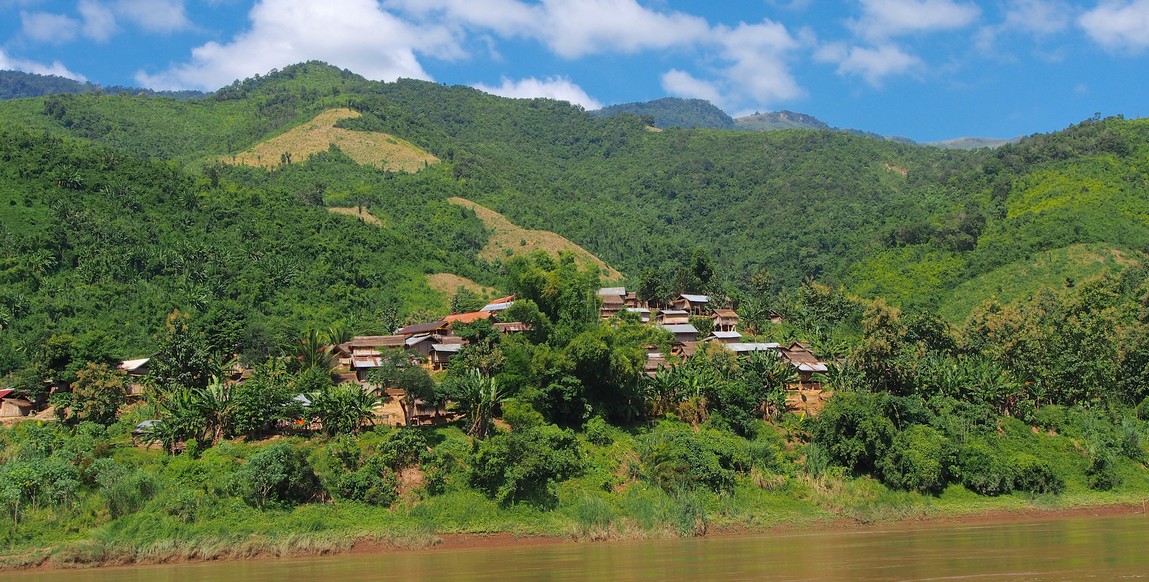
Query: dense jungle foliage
point(986, 315)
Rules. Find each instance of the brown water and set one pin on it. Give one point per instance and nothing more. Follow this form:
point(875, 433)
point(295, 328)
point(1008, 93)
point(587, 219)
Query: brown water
point(1106, 548)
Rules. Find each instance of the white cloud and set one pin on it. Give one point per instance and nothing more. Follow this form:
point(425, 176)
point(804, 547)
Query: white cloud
point(99, 21)
point(683, 84)
point(885, 18)
point(155, 15)
point(1034, 17)
point(1118, 25)
point(47, 27)
point(871, 64)
point(575, 28)
point(353, 34)
point(56, 68)
point(570, 28)
point(1038, 16)
point(560, 88)
point(758, 70)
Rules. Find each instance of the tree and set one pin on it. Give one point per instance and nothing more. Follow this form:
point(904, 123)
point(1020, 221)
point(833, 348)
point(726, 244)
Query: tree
point(278, 475)
point(184, 358)
point(477, 395)
point(97, 394)
point(344, 408)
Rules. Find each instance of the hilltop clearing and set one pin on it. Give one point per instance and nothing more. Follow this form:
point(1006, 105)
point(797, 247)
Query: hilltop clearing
point(508, 240)
point(365, 147)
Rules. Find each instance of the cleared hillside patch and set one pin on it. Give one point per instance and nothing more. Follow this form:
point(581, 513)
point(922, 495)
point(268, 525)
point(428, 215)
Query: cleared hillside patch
point(448, 283)
point(509, 240)
point(1049, 269)
point(360, 213)
point(377, 149)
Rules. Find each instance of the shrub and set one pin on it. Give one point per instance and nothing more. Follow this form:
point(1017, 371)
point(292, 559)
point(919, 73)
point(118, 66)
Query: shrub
point(919, 459)
point(372, 483)
point(1102, 472)
point(403, 448)
point(854, 431)
point(598, 432)
point(675, 457)
point(1034, 475)
point(524, 465)
point(278, 475)
point(984, 471)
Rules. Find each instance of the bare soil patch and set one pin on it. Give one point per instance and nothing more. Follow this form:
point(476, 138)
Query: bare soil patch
point(365, 147)
point(509, 240)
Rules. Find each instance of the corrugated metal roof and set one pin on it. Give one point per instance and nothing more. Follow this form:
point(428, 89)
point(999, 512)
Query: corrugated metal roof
point(638, 310)
point(498, 306)
point(726, 334)
point(696, 298)
point(819, 367)
point(132, 365)
point(4, 393)
point(680, 328)
point(368, 362)
point(674, 312)
point(620, 291)
point(448, 348)
point(417, 339)
point(752, 347)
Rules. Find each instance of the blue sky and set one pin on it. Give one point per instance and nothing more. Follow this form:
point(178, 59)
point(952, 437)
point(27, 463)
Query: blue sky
point(924, 69)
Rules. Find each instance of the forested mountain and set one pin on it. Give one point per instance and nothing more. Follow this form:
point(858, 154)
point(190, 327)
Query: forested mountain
point(126, 197)
point(673, 112)
point(17, 84)
point(776, 120)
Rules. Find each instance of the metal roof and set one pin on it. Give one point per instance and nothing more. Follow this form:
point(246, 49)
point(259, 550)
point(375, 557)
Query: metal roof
point(752, 347)
point(449, 348)
point(498, 306)
point(726, 334)
point(422, 328)
point(674, 312)
point(612, 291)
point(696, 298)
point(680, 328)
point(132, 365)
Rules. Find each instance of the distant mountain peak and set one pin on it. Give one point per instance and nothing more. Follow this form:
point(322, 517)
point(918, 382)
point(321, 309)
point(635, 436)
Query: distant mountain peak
point(673, 112)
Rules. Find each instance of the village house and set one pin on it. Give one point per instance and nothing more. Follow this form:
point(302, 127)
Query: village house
point(613, 300)
point(693, 304)
point(136, 369)
point(12, 406)
point(806, 363)
point(682, 332)
point(672, 317)
point(725, 319)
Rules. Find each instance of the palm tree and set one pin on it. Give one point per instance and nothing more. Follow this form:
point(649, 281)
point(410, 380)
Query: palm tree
point(478, 395)
point(313, 351)
point(344, 409)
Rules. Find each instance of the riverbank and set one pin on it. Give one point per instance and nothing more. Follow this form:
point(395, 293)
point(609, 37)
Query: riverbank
point(91, 553)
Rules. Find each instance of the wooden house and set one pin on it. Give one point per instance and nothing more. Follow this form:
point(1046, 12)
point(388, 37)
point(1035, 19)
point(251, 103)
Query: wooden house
point(136, 369)
point(694, 304)
point(807, 364)
point(725, 319)
point(672, 317)
point(613, 300)
point(441, 354)
point(12, 406)
point(682, 332)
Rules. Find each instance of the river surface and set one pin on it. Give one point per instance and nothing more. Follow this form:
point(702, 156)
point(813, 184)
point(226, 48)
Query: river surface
point(1090, 548)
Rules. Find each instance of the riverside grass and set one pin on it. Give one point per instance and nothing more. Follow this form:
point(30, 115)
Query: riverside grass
point(194, 518)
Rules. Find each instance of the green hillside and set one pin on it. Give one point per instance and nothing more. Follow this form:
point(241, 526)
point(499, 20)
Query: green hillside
point(911, 224)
